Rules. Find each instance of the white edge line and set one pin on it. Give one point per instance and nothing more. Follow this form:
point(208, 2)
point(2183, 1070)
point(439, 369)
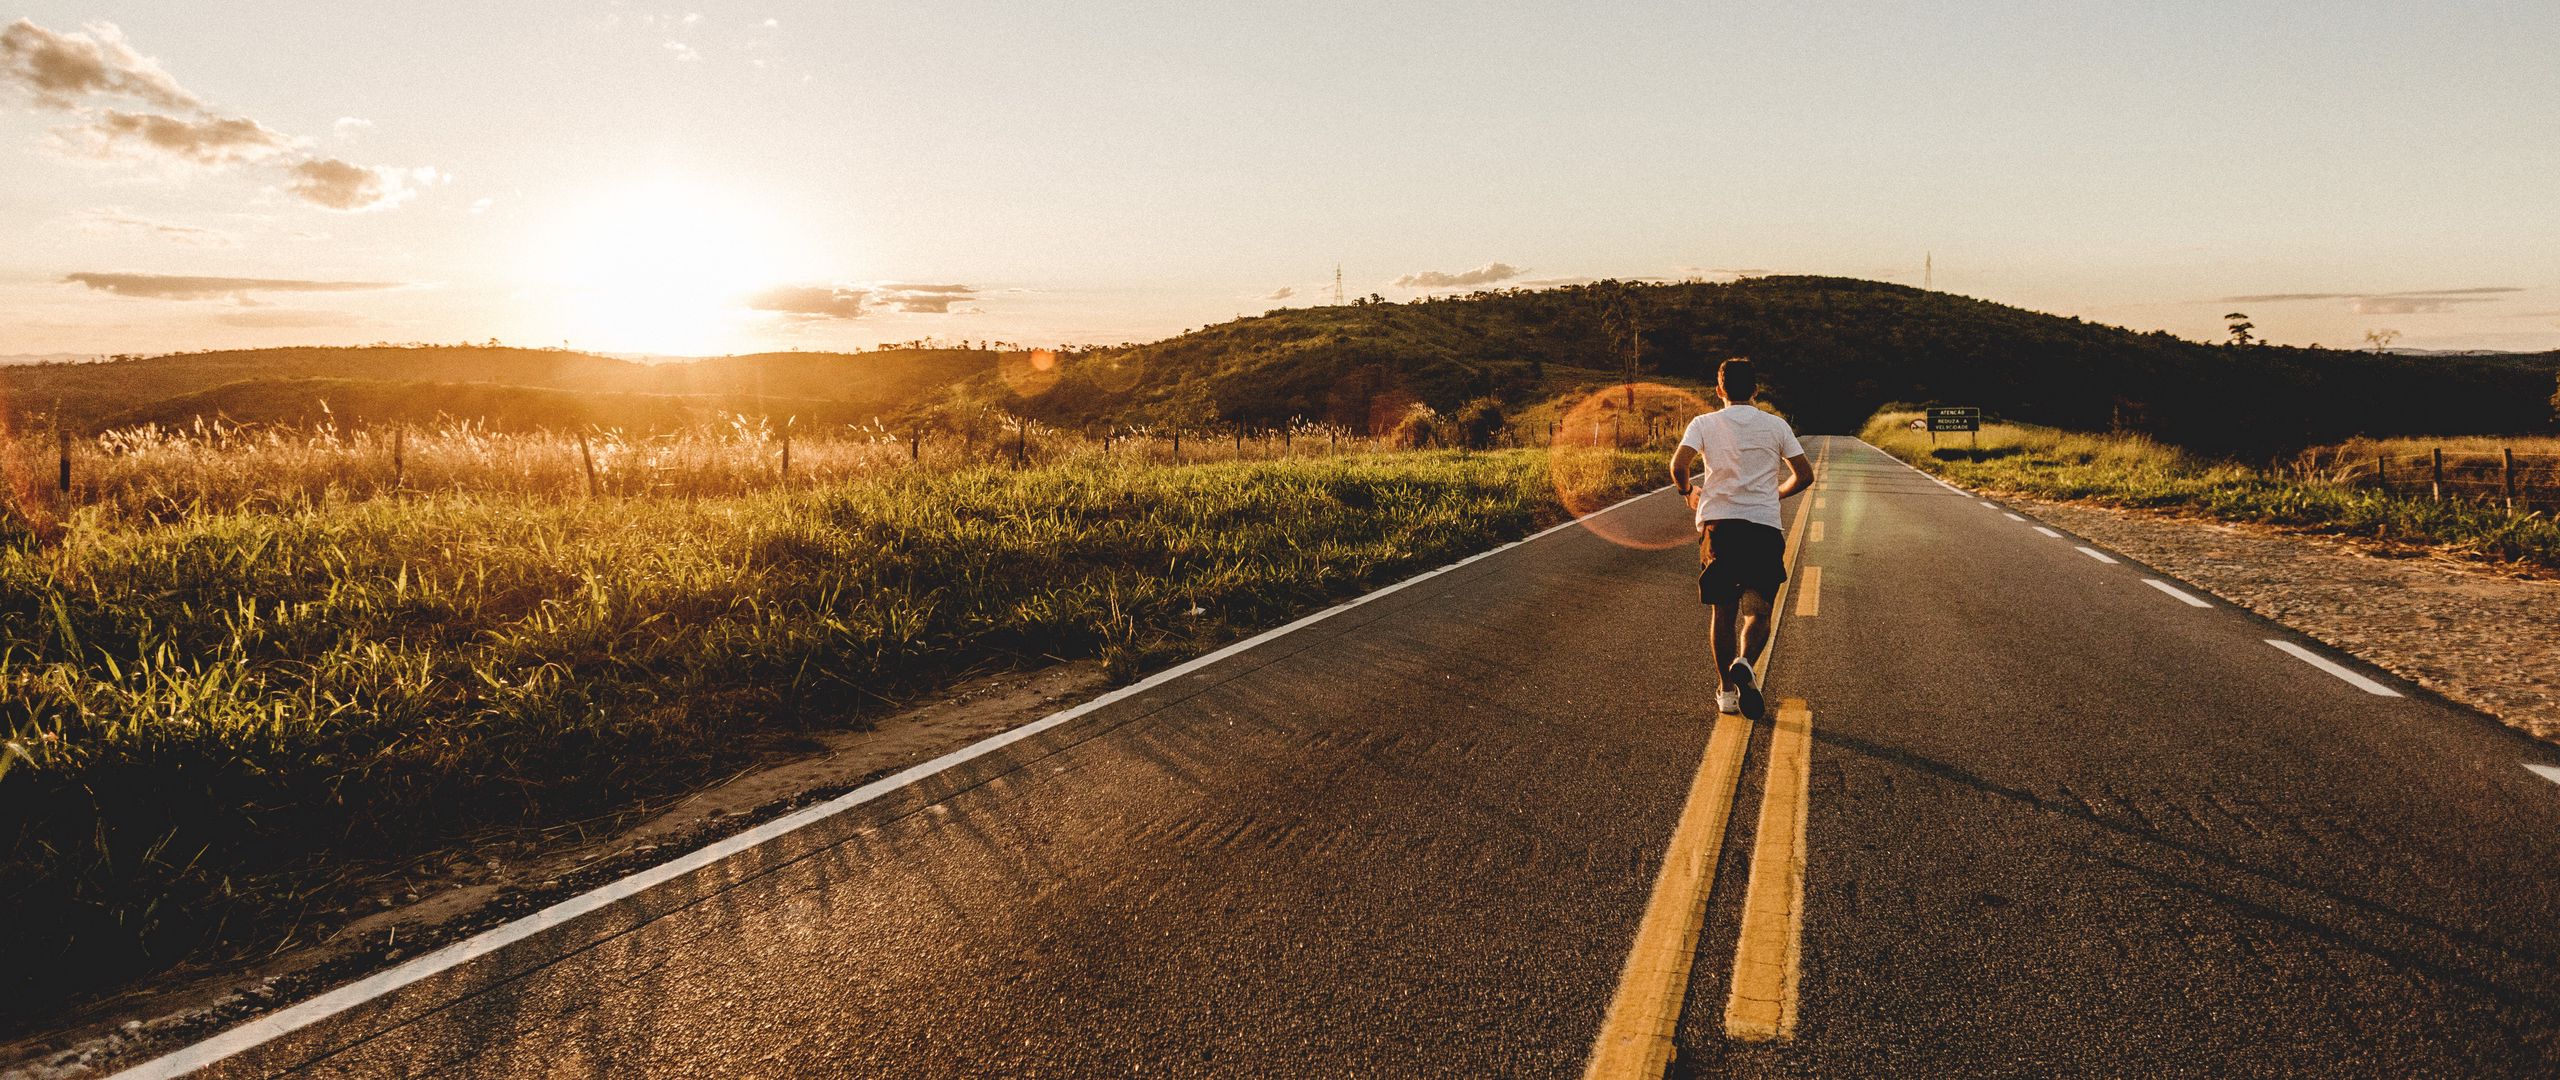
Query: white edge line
point(1930, 476)
point(2012, 517)
point(2049, 532)
point(2185, 597)
point(2334, 668)
point(2097, 554)
point(313, 1010)
point(1989, 503)
point(2547, 772)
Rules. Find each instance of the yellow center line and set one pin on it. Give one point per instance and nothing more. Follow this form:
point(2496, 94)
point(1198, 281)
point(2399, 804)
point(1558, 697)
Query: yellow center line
point(1809, 592)
point(1769, 960)
point(1636, 1037)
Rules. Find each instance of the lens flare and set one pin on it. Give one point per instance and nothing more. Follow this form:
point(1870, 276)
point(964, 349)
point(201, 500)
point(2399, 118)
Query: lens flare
point(1028, 374)
point(1587, 439)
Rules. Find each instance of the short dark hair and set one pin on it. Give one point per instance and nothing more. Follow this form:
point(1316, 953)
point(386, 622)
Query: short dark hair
point(1737, 380)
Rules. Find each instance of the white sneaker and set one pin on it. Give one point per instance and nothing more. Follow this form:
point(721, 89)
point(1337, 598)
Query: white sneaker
point(1729, 702)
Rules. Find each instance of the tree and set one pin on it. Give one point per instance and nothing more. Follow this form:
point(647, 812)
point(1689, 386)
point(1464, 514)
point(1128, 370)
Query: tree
point(2241, 329)
point(1622, 322)
point(2381, 340)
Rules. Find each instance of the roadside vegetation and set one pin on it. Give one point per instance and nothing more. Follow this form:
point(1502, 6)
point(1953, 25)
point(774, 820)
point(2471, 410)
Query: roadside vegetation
point(219, 710)
point(2332, 489)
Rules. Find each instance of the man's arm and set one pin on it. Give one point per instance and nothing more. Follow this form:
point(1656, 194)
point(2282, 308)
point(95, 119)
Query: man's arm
point(1684, 463)
point(1799, 476)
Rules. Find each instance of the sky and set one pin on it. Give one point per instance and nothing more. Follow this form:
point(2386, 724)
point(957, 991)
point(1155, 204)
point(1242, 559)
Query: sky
point(716, 177)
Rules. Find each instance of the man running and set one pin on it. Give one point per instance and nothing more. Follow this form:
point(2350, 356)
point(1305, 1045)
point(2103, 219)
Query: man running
point(1742, 545)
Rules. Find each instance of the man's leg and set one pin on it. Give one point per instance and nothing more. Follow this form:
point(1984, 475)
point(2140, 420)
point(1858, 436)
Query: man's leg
point(1754, 616)
point(1722, 640)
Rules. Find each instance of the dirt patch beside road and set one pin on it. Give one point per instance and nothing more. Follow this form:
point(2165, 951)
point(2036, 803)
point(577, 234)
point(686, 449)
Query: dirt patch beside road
point(2482, 635)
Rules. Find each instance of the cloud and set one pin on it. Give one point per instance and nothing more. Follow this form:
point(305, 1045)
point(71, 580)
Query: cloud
point(924, 299)
point(684, 53)
point(1482, 275)
point(188, 287)
point(83, 73)
point(848, 302)
point(2410, 305)
point(111, 218)
point(59, 70)
point(1720, 271)
point(342, 185)
point(345, 127)
point(2279, 298)
point(287, 318)
point(812, 301)
point(1282, 293)
point(210, 140)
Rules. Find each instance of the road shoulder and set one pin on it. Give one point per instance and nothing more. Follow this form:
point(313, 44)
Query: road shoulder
point(2485, 638)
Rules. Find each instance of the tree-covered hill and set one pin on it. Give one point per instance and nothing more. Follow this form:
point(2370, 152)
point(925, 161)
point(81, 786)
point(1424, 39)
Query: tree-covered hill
point(1832, 350)
point(255, 385)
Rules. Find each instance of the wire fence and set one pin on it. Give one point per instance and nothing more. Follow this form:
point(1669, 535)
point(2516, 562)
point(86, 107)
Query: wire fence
point(2497, 476)
point(155, 473)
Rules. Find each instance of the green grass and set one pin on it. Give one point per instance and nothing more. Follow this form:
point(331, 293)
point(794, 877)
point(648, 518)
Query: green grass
point(217, 716)
point(2133, 471)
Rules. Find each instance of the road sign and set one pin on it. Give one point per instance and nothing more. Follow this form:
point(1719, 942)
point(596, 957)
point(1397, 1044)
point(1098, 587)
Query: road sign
point(1966, 418)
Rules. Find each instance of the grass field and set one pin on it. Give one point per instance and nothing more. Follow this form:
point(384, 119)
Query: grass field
point(2322, 490)
point(214, 709)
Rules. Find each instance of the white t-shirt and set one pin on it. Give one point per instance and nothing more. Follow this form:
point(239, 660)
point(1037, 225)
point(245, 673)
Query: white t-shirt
point(1746, 452)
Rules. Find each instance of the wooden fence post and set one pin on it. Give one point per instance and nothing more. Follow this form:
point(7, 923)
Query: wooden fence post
point(400, 457)
point(2382, 473)
point(62, 437)
point(2507, 474)
point(1177, 446)
point(786, 454)
point(587, 457)
point(2436, 485)
point(1239, 440)
point(915, 445)
point(1022, 443)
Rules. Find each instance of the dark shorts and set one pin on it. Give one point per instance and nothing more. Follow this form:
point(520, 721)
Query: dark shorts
point(1736, 557)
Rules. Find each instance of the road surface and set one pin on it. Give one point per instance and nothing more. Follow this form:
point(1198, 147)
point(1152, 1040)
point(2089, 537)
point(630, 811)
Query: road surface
point(2033, 813)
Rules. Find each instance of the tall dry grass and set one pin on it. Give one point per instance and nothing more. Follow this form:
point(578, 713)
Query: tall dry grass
point(2320, 491)
point(241, 671)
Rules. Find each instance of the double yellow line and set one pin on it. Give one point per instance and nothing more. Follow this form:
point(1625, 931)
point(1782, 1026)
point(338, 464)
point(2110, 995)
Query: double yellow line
point(1636, 1038)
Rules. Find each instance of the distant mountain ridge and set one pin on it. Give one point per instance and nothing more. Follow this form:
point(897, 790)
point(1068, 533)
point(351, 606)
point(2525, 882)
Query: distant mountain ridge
point(1831, 351)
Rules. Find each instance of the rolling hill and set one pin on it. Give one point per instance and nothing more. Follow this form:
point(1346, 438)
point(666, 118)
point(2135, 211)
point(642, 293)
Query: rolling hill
point(506, 386)
point(1833, 350)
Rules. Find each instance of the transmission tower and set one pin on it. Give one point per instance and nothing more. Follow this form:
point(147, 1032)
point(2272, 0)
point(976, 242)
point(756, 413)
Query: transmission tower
point(1929, 270)
point(1337, 284)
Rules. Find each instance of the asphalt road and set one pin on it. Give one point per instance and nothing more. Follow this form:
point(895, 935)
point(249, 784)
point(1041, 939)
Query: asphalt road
point(2057, 822)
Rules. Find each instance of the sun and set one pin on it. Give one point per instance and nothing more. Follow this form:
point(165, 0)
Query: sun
point(664, 266)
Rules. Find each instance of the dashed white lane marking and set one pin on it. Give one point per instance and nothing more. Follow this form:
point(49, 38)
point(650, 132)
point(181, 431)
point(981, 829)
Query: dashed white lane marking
point(2184, 597)
point(314, 1010)
point(2334, 668)
point(2049, 532)
point(1988, 503)
point(1817, 534)
point(2012, 517)
point(2547, 772)
point(1819, 502)
point(2097, 554)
